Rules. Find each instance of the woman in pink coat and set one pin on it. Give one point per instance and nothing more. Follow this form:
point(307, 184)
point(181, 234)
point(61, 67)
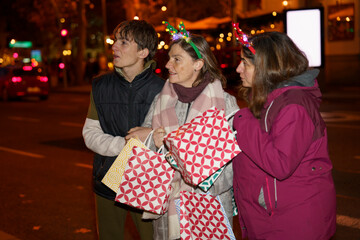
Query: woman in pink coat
point(282, 179)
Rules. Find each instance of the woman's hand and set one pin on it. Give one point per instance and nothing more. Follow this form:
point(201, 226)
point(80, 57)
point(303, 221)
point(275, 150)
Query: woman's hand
point(158, 136)
point(138, 132)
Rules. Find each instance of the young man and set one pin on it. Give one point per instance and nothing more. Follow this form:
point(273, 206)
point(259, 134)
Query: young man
point(119, 101)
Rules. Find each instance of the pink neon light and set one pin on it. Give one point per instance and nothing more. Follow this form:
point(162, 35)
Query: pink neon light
point(224, 65)
point(16, 79)
point(27, 68)
point(43, 79)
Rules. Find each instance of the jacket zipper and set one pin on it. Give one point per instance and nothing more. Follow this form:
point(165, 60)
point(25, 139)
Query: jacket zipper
point(130, 115)
point(275, 189)
point(269, 198)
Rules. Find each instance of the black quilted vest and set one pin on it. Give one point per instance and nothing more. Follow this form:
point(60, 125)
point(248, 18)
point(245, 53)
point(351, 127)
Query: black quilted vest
point(120, 105)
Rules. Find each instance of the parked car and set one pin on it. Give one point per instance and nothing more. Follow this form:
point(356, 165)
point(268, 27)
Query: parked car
point(16, 82)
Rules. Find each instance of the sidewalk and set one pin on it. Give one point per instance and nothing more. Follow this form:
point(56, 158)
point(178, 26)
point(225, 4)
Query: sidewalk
point(83, 89)
point(5, 236)
point(332, 92)
point(348, 92)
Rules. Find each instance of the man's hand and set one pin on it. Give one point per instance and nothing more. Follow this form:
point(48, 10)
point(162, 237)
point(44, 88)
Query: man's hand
point(138, 132)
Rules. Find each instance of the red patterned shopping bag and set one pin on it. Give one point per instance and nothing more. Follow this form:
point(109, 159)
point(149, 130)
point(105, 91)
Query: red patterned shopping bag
point(146, 181)
point(202, 216)
point(202, 146)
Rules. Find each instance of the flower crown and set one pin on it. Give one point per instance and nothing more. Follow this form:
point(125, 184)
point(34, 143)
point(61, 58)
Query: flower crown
point(242, 37)
point(181, 34)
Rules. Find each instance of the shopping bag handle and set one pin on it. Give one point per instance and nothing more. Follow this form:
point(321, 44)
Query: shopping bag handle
point(161, 149)
point(232, 114)
point(148, 139)
point(229, 116)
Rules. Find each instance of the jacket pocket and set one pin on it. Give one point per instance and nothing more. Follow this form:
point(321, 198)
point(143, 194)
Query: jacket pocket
point(261, 199)
point(267, 198)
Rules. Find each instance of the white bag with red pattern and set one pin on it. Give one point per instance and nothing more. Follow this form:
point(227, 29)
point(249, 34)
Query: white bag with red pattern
point(202, 216)
point(202, 146)
point(146, 181)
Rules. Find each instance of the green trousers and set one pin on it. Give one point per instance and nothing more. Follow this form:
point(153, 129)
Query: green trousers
point(111, 217)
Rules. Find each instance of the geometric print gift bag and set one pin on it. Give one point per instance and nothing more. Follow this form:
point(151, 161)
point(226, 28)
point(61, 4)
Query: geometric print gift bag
point(146, 181)
point(202, 146)
point(202, 216)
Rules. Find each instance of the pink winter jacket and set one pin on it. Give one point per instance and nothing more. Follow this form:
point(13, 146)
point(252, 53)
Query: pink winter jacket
point(282, 179)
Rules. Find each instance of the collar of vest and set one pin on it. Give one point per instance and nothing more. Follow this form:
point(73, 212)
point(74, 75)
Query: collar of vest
point(150, 64)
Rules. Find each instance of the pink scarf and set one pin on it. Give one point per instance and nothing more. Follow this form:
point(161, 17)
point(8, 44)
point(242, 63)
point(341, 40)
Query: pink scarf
point(164, 113)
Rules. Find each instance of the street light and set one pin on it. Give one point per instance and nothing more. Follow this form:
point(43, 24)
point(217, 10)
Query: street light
point(109, 41)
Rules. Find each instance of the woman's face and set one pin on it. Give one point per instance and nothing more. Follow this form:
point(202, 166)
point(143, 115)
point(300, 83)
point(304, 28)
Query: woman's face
point(246, 70)
point(182, 68)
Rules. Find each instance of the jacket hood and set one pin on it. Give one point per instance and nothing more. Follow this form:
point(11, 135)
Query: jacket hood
point(305, 81)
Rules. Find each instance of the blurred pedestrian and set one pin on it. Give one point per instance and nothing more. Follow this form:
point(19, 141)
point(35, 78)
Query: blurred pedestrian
point(195, 84)
point(102, 64)
point(282, 178)
point(120, 101)
point(96, 67)
point(90, 68)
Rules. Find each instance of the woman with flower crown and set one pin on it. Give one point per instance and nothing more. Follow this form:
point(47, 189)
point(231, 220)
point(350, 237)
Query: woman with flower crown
point(195, 84)
point(282, 178)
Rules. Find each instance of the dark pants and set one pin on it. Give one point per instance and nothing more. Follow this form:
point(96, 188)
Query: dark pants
point(111, 217)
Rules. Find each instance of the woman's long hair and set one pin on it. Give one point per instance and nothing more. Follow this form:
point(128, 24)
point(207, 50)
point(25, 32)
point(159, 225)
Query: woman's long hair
point(210, 70)
point(276, 60)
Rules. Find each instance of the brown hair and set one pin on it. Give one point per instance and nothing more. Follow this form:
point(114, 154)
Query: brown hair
point(210, 70)
point(142, 33)
point(277, 59)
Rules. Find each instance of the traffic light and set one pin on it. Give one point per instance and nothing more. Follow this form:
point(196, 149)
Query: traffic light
point(64, 33)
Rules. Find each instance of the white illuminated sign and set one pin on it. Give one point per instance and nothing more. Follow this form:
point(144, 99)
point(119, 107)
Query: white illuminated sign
point(304, 28)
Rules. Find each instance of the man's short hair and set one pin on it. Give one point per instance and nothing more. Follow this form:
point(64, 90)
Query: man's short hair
point(142, 33)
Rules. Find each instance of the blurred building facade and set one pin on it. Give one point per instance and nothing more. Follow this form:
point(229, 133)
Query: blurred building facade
point(341, 33)
point(341, 30)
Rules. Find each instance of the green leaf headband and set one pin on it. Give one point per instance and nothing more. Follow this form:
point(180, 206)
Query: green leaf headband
point(182, 34)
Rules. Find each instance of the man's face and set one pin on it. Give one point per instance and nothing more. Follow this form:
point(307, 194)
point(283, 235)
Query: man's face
point(125, 52)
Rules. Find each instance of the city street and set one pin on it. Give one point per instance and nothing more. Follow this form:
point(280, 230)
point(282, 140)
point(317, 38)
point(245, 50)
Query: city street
point(45, 187)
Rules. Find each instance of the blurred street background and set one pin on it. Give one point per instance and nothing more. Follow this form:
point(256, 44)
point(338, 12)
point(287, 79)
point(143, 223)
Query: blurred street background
point(45, 187)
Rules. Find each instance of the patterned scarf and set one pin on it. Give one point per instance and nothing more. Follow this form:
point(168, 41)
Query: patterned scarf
point(165, 115)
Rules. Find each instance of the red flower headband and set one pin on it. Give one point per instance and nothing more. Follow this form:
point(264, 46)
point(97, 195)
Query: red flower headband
point(242, 37)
